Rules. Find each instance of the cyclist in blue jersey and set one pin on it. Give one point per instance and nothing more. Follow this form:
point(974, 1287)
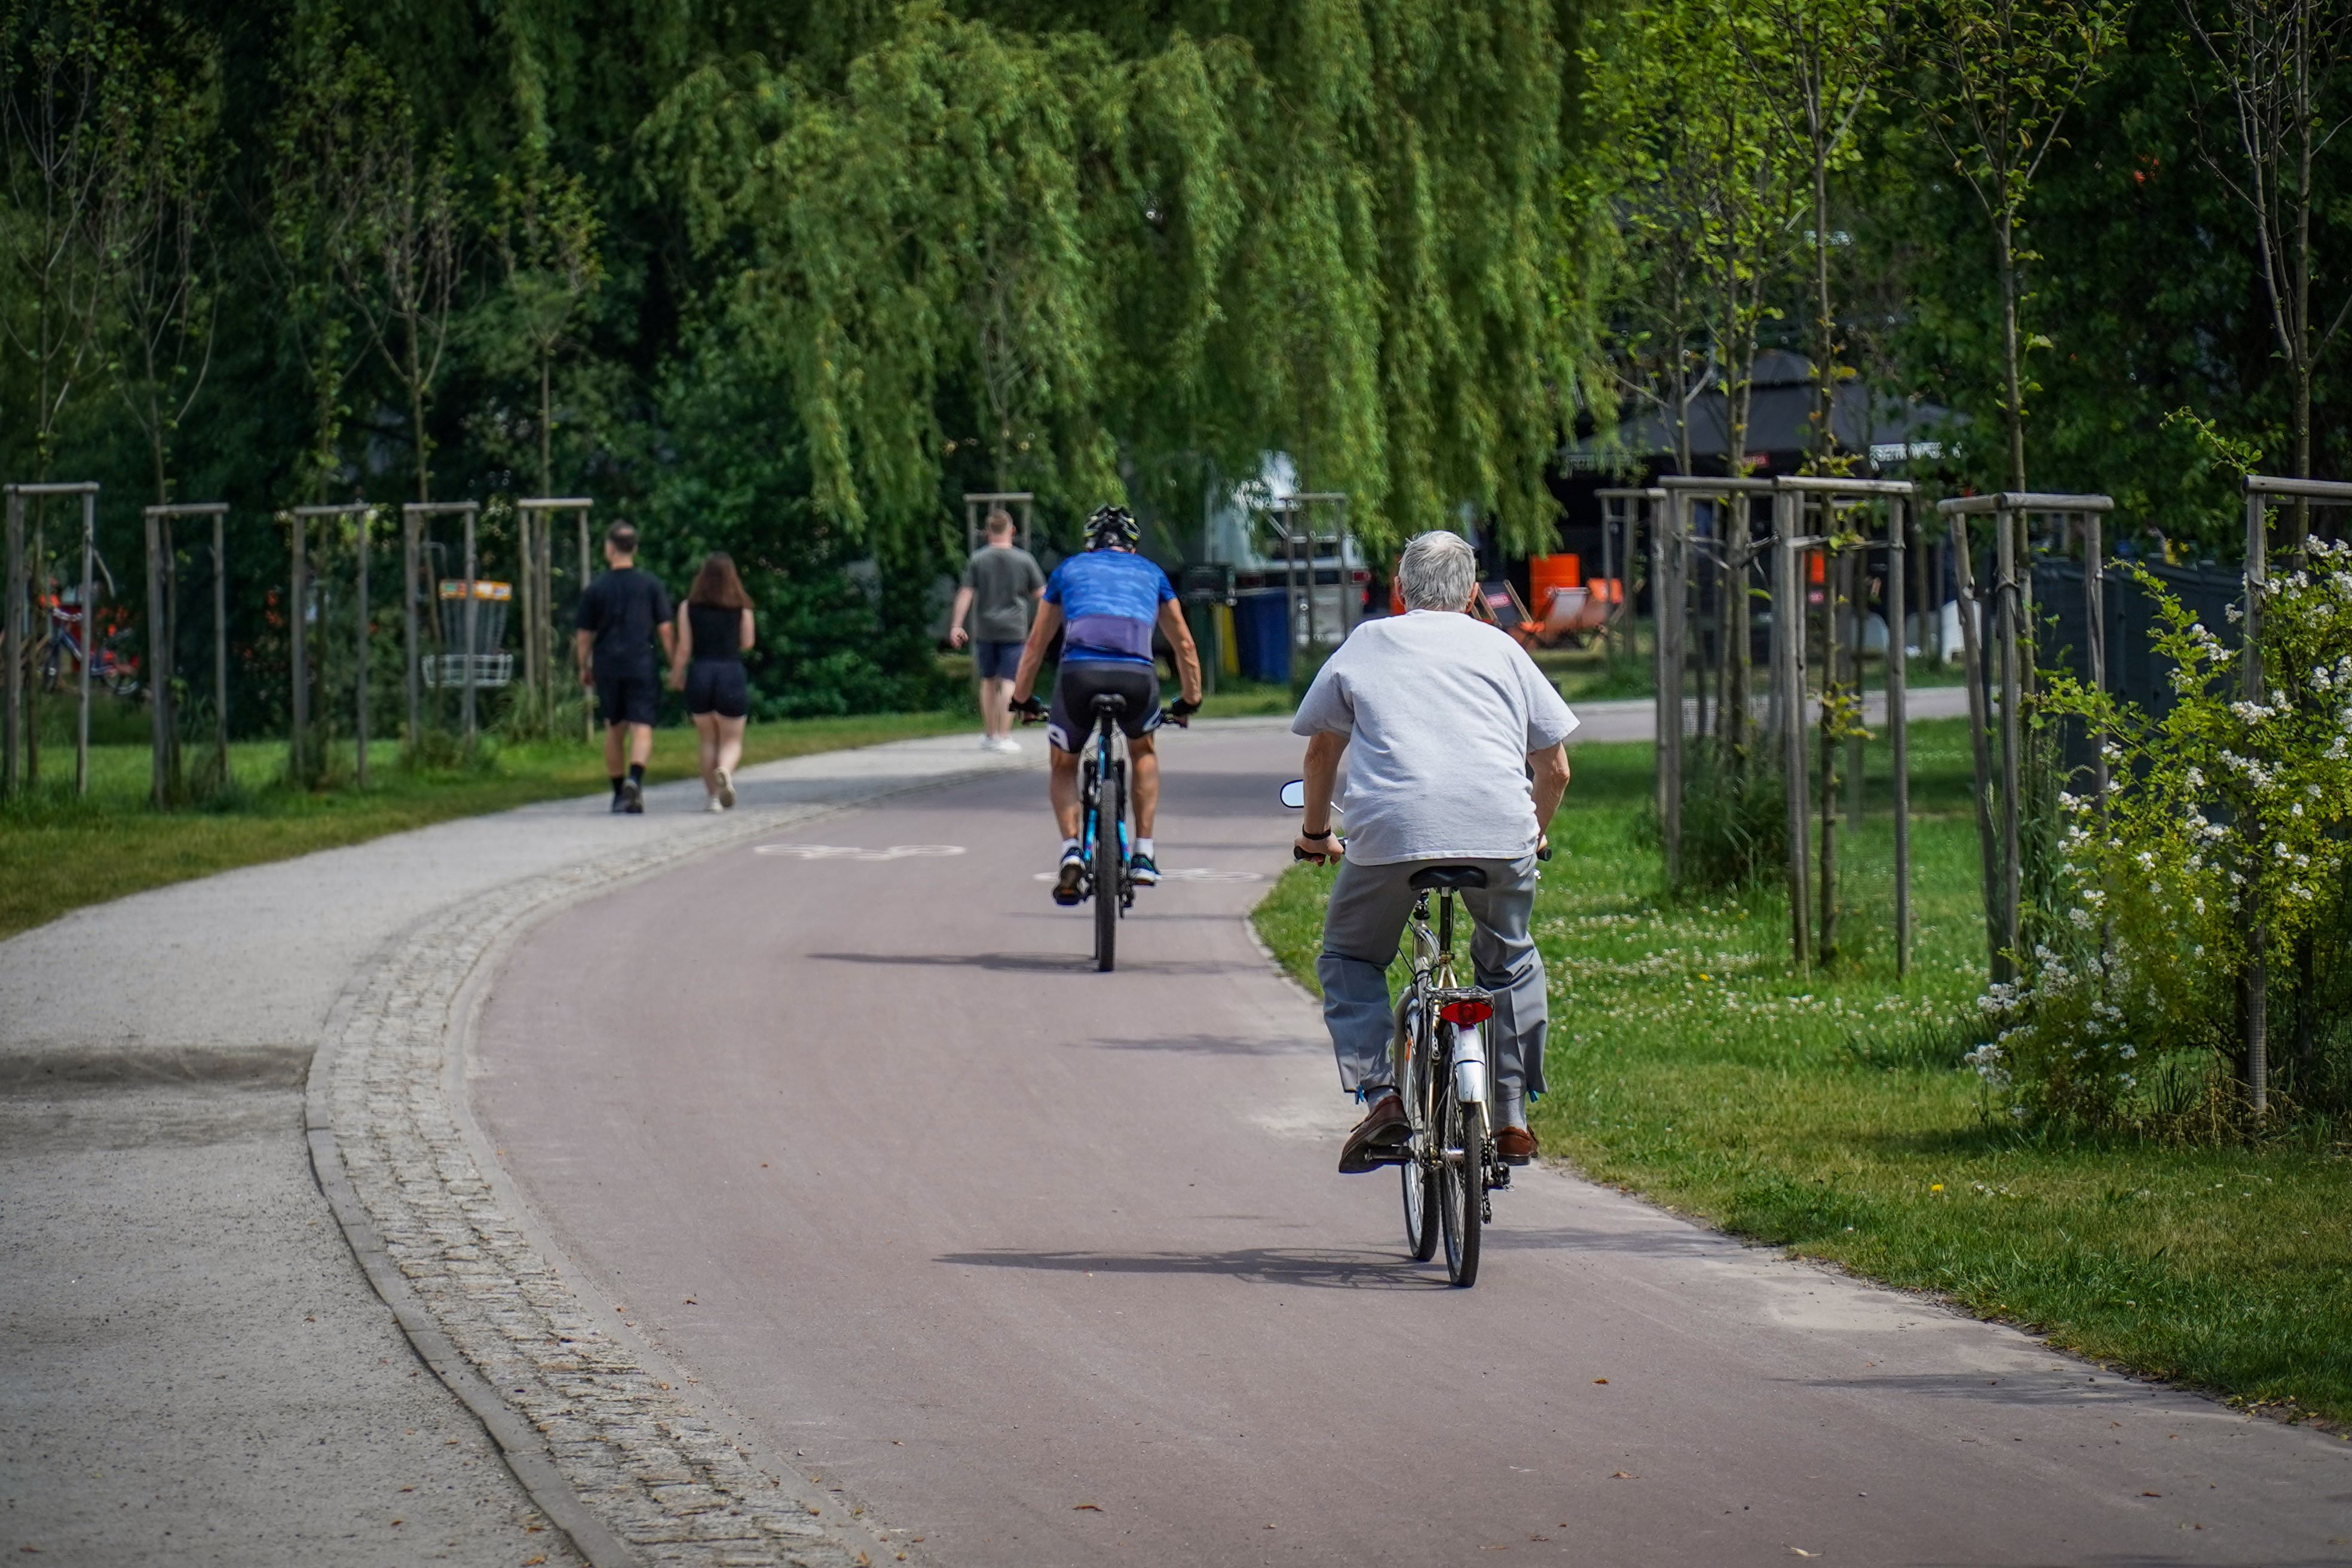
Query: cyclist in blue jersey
point(1105, 603)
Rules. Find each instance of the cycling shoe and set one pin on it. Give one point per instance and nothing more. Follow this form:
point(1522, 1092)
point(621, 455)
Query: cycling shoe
point(1069, 886)
point(1143, 872)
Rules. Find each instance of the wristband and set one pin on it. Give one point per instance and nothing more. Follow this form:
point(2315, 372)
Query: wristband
point(1324, 834)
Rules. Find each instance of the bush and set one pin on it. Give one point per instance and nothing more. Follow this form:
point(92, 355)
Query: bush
point(2220, 838)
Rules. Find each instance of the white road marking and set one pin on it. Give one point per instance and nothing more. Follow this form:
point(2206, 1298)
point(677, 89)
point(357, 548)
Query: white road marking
point(852, 852)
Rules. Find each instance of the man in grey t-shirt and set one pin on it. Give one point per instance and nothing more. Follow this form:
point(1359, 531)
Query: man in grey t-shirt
point(1002, 583)
point(1453, 740)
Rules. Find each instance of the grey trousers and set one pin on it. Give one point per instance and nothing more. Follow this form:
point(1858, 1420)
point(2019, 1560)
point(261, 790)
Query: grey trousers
point(1362, 928)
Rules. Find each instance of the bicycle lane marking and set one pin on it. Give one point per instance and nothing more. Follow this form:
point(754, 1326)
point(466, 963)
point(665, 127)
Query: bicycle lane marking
point(852, 852)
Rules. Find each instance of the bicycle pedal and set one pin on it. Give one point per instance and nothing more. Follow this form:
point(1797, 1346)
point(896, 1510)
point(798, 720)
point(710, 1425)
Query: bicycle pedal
point(1502, 1182)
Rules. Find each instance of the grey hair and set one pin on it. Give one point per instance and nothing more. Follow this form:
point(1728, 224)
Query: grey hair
point(1437, 571)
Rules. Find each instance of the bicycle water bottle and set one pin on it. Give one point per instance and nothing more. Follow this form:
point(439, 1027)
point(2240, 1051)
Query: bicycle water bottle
point(1469, 1064)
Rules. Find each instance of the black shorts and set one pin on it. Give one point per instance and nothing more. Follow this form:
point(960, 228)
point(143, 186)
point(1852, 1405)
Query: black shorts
point(717, 685)
point(629, 696)
point(1071, 717)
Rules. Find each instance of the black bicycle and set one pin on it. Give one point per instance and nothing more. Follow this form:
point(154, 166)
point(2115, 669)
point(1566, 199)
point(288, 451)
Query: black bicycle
point(1102, 826)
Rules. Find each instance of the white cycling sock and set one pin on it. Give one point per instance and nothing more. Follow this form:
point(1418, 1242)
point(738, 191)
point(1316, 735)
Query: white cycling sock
point(1069, 847)
point(1143, 847)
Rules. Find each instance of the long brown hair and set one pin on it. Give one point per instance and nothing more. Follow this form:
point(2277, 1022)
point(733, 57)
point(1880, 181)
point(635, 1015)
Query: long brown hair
point(717, 586)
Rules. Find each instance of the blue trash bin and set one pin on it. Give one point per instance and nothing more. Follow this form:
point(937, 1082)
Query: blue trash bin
point(1262, 634)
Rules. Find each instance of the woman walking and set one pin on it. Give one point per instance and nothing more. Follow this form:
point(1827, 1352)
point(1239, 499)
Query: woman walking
point(714, 631)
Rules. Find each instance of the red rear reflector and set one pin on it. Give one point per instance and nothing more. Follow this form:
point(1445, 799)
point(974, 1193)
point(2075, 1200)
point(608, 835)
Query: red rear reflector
point(1463, 1013)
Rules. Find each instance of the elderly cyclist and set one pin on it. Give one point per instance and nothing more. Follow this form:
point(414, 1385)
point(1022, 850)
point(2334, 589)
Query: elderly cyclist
point(1453, 741)
point(1105, 604)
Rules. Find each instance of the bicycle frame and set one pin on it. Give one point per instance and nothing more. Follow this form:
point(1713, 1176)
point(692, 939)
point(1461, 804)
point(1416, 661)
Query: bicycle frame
point(1434, 985)
point(1104, 753)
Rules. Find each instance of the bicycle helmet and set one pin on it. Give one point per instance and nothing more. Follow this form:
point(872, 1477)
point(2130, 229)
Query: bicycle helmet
point(1111, 527)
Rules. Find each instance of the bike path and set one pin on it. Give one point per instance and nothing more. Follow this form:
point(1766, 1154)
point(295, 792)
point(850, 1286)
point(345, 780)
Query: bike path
point(1045, 1266)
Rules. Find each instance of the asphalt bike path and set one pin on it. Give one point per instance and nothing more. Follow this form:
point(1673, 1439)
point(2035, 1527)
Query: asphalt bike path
point(1037, 1266)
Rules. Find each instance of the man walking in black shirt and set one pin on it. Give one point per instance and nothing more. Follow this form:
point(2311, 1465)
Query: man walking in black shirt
point(620, 615)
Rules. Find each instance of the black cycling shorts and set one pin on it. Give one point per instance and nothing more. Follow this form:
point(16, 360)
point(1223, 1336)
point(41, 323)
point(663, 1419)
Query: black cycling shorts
point(629, 696)
point(717, 685)
point(1071, 717)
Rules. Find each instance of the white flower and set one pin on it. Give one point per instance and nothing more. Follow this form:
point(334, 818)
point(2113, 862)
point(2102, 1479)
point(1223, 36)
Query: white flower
point(2128, 1051)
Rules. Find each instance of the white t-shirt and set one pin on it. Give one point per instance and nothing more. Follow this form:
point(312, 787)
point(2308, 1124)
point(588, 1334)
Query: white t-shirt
point(1440, 711)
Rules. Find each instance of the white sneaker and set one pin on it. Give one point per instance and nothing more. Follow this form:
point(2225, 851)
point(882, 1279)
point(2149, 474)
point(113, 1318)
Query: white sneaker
point(714, 805)
point(1008, 745)
point(726, 790)
point(988, 743)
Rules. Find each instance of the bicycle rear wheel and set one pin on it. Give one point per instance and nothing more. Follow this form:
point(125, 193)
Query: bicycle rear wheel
point(1419, 1179)
point(1110, 812)
point(1460, 1183)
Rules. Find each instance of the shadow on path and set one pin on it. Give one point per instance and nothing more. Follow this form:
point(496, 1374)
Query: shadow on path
point(1323, 1269)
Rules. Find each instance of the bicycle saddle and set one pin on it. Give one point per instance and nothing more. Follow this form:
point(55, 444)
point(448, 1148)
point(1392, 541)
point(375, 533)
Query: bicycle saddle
point(1109, 700)
point(1454, 877)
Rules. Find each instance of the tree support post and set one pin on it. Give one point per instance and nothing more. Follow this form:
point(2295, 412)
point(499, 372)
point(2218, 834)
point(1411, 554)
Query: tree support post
point(539, 513)
point(2001, 848)
point(587, 707)
point(162, 641)
point(2008, 646)
point(467, 622)
point(1898, 723)
point(2254, 982)
point(363, 516)
point(12, 643)
point(220, 640)
point(1791, 493)
point(1658, 667)
point(298, 618)
point(1672, 618)
point(1789, 682)
point(411, 564)
point(161, 729)
point(89, 639)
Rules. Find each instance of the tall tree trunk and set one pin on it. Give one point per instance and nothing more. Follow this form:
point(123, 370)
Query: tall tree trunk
point(546, 421)
point(1824, 326)
point(2011, 368)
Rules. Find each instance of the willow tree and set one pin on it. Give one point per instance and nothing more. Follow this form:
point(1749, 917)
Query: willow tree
point(1107, 253)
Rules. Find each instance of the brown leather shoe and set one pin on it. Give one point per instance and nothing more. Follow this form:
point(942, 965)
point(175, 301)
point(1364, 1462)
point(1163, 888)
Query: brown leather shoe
point(1517, 1145)
point(1377, 1138)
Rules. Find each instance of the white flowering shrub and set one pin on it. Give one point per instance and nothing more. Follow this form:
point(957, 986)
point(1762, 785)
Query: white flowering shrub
point(2223, 813)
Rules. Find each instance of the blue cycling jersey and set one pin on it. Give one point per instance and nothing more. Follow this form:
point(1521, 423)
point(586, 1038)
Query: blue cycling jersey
point(1108, 600)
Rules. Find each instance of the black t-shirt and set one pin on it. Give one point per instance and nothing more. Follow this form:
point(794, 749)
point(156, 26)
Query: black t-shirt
point(622, 608)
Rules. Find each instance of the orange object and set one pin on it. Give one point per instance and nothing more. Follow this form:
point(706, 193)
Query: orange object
point(1547, 574)
point(1816, 565)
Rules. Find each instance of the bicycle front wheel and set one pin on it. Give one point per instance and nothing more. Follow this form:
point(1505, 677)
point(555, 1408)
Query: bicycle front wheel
point(1461, 1184)
point(1110, 812)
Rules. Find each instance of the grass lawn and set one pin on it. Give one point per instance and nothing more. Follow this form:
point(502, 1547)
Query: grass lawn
point(57, 852)
point(1826, 1113)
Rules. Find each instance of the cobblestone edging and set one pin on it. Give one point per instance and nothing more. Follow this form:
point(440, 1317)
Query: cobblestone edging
point(584, 1416)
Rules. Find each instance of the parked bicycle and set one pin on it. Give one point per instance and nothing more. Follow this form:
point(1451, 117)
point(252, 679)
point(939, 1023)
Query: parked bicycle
point(65, 640)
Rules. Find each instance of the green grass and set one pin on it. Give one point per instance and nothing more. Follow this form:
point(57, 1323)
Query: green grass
point(57, 852)
point(1827, 1112)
